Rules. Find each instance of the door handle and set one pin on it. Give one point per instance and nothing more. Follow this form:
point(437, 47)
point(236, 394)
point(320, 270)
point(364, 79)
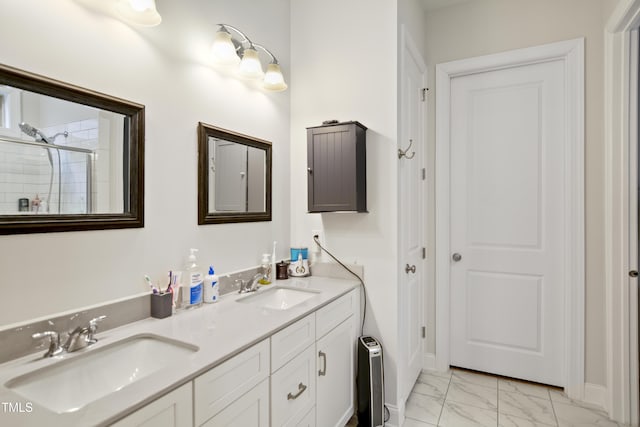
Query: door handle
point(633, 273)
point(456, 257)
point(410, 269)
point(322, 372)
point(301, 389)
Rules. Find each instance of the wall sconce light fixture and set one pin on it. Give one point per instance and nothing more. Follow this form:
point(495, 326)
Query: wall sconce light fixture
point(139, 12)
point(231, 51)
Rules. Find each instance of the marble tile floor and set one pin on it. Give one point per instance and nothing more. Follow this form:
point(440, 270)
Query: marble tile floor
point(463, 398)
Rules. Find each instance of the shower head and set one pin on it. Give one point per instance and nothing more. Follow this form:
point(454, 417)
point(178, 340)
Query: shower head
point(33, 132)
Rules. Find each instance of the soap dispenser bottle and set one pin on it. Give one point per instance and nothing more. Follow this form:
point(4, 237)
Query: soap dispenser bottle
point(193, 296)
point(211, 290)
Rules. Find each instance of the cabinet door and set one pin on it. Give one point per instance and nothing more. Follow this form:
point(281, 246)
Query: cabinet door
point(336, 375)
point(250, 410)
point(331, 153)
point(174, 409)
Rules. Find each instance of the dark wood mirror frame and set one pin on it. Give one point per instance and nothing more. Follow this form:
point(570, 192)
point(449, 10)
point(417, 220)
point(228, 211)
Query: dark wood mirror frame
point(204, 216)
point(133, 167)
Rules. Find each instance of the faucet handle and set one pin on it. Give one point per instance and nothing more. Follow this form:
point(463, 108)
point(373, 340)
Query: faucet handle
point(54, 342)
point(93, 327)
point(93, 323)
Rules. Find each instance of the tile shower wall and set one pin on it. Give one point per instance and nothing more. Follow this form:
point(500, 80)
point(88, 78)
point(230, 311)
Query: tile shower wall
point(25, 171)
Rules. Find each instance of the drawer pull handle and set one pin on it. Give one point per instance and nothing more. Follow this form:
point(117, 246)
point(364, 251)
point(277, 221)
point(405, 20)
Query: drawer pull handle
point(322, 372)
point(301, 389)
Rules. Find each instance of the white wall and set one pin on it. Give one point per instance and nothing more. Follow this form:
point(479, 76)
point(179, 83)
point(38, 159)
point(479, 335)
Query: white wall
point(344, 67)
point(166, 68)
point(480, 28)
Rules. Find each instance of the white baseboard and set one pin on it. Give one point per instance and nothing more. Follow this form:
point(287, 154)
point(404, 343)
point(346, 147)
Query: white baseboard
point(596, 394)
point(429, 362)
point(394, 415)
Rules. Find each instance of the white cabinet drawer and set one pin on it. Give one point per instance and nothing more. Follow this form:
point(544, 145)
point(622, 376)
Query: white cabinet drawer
point(330, 316)
point(223, 384)
point(251, 410)
point(289, 342)
point(293, 390)
point(309, 420)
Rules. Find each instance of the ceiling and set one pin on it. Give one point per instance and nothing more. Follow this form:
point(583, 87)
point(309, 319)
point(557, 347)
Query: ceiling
point(431, 5)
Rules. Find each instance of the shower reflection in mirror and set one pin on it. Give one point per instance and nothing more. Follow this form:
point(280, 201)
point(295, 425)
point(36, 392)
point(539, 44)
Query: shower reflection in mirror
point(58, 157)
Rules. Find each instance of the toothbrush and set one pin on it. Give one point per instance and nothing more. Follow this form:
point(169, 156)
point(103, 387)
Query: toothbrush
point(151, 285)
point(170, 281)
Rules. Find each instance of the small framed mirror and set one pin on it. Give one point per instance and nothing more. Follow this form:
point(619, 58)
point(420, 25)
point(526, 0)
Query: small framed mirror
point(70, 158)
point(234, 177)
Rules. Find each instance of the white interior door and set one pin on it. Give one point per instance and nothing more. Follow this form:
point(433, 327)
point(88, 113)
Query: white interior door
point(508, 142)
point(231, 177)
point(411, 194)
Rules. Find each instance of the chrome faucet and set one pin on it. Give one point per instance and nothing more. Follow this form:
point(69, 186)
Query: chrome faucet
point(250, 286)
point(82, 336)
point(77, 339)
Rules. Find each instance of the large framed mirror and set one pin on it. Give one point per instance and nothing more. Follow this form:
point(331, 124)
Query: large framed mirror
point(234, 177)
point(70, 158)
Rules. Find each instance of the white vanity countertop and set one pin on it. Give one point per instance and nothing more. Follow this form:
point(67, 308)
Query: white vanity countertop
point(220, 330)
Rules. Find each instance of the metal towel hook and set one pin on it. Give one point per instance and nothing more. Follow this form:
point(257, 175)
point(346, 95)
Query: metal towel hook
point(403, 153)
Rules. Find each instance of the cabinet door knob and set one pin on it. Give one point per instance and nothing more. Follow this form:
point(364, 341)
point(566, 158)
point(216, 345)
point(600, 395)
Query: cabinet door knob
point(309, 170)
point(456, 257)
point(633, 273)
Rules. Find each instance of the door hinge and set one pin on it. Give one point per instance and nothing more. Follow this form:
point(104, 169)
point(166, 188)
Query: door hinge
point(424, 332)
point(424, 253)
point(423, 92)
point(424, 174)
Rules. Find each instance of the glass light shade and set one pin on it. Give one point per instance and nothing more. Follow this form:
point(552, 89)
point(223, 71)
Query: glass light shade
point(223, 50)
point(250, 66)
point(273, 78)
point(142, 5)
point(139, 12)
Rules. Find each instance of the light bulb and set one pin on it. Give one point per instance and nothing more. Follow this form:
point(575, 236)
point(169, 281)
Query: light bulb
point(250, 66)
point(273, 78)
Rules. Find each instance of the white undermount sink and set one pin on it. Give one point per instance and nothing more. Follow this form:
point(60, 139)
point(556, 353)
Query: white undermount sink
point(279, 298)
point(69, 385)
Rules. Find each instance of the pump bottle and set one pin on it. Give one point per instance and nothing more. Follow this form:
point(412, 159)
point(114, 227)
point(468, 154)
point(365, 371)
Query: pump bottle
point(193, 295)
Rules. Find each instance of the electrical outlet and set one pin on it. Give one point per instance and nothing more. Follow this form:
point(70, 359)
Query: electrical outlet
point(314, 246)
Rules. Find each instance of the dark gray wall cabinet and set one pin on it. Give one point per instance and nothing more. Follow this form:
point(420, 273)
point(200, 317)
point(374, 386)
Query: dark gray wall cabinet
point(337, 167)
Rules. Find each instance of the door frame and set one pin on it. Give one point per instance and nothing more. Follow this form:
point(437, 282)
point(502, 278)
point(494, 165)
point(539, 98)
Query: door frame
point(621, 140)
point(571, 52)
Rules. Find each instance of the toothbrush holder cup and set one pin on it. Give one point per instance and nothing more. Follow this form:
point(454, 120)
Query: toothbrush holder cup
point(161, 305)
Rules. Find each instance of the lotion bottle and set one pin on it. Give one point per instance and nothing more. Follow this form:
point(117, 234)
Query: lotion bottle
point(266, 270)
point(211, 289)
point(193, 294)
